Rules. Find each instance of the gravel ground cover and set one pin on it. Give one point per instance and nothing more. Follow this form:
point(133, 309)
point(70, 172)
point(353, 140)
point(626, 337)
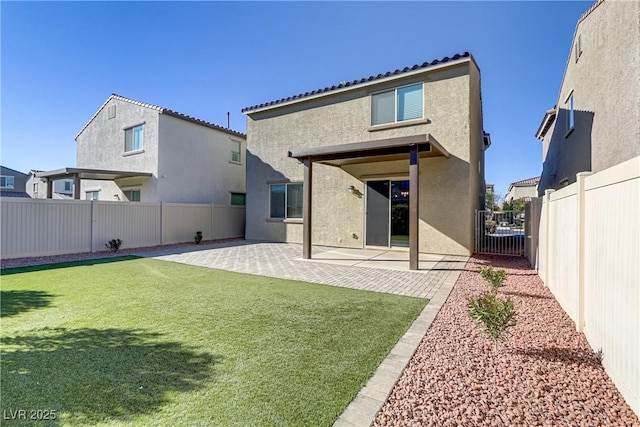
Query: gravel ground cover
point(53, 259)
point(546, 374)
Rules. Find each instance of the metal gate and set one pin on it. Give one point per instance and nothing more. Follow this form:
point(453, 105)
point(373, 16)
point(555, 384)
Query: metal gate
point(500, 233)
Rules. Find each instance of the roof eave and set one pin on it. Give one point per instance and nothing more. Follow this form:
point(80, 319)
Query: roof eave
point(545, 124)
point(358, 86)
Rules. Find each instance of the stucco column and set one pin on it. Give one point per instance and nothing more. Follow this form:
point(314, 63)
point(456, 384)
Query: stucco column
point(306, 209)
point(49, 189)
point(414, 204)
point(76, 186)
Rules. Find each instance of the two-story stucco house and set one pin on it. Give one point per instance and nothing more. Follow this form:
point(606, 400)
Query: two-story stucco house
point(392, 160)
point(37, 187)
point(523, 189)
point(596, 121)
point(135, 151)
point(12, 183)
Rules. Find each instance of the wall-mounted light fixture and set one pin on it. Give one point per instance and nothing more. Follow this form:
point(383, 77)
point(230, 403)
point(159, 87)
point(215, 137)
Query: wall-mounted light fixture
point(353, 190)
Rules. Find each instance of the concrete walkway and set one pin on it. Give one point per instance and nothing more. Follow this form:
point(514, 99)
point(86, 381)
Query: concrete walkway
point(372, 270)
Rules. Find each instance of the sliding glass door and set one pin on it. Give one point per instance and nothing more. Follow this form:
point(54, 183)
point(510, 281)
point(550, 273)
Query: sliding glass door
point(387, 215)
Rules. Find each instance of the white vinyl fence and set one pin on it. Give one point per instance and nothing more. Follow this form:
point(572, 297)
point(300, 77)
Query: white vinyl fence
point(589, 257)
point(40, 227)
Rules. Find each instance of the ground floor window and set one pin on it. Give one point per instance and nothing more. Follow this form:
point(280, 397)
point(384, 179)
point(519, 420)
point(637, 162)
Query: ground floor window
point(132, 195)
point(286, 200)
point(238, 199)
point(92, 195)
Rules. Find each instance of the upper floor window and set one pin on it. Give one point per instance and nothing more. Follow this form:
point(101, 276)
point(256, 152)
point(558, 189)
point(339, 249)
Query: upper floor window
point(134, 138)
point(235, 151)
point(571, 114)
point(92, 195)
point(67, 185)
point(286, 200)
point(7, 181)
point(35, 188)
point(397, 105)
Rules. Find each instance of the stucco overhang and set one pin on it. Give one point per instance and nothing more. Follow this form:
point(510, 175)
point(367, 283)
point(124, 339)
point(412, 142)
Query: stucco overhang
point(380, 150)
point(95, 174)
point(547, 121)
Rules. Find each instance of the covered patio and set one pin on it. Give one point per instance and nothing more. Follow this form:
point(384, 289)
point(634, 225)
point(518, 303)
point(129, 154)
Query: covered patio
point(78, 174)
point(411, 148)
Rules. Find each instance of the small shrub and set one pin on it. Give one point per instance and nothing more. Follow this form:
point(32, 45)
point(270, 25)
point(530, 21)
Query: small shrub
point(494, 314)
point(114, 245)
point(495, 278)
point(198, 237)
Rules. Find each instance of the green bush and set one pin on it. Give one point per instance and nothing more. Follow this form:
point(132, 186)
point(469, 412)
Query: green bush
point(494, 314)
point(495, 278)
point(114, 245)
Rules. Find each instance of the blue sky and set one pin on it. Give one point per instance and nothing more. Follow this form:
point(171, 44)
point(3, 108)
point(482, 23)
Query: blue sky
point(62, 60)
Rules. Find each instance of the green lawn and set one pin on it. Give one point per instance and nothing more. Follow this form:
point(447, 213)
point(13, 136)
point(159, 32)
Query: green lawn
point(132, 341)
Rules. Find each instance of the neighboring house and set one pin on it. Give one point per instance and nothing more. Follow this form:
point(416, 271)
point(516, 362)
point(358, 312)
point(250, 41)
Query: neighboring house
point(12, 183)
point(525, 189)
point(135, 151)
point(352, 150)
point(37, 187)
point(595, 124)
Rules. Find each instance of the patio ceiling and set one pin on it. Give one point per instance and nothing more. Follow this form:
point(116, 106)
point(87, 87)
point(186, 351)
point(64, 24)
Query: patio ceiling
point(382, 150)
point(94, 174)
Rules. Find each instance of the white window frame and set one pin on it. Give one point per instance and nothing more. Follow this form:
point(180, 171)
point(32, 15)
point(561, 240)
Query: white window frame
point(132, 130)
point(9, 181)
point(70, 184)
point(570, 124)
point(286, 196)
point(90, 193)
point(395, 105)
point(238, 158)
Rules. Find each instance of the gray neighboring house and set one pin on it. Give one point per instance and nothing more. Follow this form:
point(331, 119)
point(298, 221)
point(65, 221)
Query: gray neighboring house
point(596, 121)
point(346, 165)
point(37, 187)
point(13, 183)
point(135, 151)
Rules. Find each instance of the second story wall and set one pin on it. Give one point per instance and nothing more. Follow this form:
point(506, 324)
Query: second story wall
point(195, 163)
point(598, 109)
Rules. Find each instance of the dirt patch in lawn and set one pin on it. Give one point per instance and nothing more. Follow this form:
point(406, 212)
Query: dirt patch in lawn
point(545, 374)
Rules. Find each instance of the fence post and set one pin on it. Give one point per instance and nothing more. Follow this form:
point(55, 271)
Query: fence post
point(213, 221)
point(547, 234)
point(580, 228)
point(162, 233)
point(92, 229)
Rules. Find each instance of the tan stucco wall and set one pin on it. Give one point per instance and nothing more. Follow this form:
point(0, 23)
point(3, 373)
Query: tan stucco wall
point(606, 86)
point(449, 187)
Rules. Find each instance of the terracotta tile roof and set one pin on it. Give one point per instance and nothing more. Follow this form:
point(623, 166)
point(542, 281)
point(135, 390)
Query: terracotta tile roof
point(163, 110)
point(361, 81)
point(525, 182)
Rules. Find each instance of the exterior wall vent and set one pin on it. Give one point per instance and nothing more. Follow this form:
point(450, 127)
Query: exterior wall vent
point(111, 111)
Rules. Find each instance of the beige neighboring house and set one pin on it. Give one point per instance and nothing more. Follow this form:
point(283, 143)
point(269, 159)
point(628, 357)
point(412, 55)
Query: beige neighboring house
point(346, 165)
point(596, 121)
point(135, 151)
point(525, 189)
